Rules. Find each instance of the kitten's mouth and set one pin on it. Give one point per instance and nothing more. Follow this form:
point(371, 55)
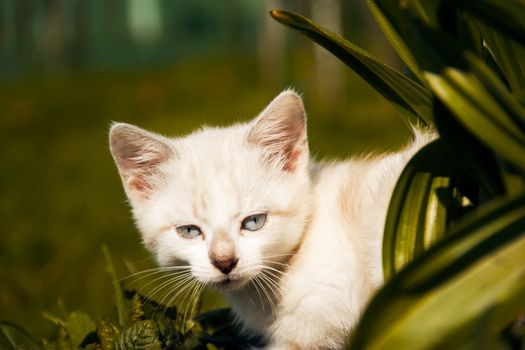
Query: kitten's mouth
point(230, 282)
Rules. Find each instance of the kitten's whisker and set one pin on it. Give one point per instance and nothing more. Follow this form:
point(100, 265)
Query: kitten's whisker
point(275, 278)
point(192, 300)
point(279, 255)
point(185, 301)
point(280, 265)
point(184, 288)
point(156, 269)
point(163, 306)
point(152, 272)
point(155, 280)
point(172, 277)
point(275, 262)
point(165, 274)
point(271, 279)
point(264, 284)
point(264, 291)
point(147, 258)
point(174, 284)
point(273, 289)
point(266, 267)
point(173, 280)
point(271, 276)
point(255, 283)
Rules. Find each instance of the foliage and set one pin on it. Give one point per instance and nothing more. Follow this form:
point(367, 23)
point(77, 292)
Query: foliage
point(454, 246)
point(142, 324)
point(454, 241)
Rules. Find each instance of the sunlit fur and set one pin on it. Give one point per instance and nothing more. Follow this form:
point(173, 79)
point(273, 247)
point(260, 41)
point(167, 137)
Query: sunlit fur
point(304, 277)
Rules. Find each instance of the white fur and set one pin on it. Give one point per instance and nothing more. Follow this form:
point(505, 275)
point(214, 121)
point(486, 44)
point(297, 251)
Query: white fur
point(303, 279)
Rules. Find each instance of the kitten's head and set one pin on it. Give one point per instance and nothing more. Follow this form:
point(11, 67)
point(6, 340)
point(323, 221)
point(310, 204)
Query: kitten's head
point(229, 202)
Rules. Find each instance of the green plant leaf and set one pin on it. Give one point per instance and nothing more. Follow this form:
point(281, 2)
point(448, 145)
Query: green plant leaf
point(509, 103)
point(119, 297)
point(470, 283)
point(423, 204)
point(106, 332)
point(509, 55)
point(506, 16)
point(63, 339)
point(79, 325)
point(137, 309)
point(53, 318)
point(16, 336)
point(469, 154)
point(139, 335)
point(410, 98)
point(417, 26)
point(393, 36)
point(483, 115)
point(436, 33)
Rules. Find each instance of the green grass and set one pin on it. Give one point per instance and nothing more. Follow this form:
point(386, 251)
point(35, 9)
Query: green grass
point(61, 197)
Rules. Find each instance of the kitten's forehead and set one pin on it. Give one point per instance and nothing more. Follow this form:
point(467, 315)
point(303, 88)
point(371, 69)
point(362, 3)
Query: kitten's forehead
point(220, 173)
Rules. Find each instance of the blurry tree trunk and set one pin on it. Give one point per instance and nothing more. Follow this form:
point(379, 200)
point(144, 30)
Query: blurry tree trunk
point(7, 31)
point(272, 47)
point(69, 31)
point(329, 74)
point(145, 22)
point(361, 28)
point(97, 28)
point(52, 34)
point(80, 40)
point(377, 42)
point(117, 25)
point(23, 30)
point(235, 25)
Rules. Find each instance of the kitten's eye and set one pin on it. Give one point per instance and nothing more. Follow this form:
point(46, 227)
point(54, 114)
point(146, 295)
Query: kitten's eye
point(189, 231)
point(254, 222)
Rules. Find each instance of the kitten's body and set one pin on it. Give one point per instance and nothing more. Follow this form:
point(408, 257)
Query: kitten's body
point(303, 277)
point(338, 264)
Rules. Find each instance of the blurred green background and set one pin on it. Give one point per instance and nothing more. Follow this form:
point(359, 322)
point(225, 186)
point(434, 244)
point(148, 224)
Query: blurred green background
point(69, 67)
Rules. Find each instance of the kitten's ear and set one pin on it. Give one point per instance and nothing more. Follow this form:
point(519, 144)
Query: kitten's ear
point(280, 130)
point(138, 155)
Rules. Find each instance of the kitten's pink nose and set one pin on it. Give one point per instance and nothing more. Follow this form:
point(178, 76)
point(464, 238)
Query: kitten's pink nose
point(225, 265)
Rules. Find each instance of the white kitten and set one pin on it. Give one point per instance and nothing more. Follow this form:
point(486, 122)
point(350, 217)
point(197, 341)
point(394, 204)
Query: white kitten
point(294, 245)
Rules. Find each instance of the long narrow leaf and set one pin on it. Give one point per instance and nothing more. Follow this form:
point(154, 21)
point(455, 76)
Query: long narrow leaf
point(395, 39)
point(468, 153)
point(417, 27)
point(16, 336)
point(479, 112)
point(410, 98)
point(509, 102)
point(422, 205)
point(473, 281)
point(507, 16)
point(509, 55)
point(119, 298)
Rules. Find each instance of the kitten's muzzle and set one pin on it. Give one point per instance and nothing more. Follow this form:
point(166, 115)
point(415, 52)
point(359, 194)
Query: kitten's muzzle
point(225, 265)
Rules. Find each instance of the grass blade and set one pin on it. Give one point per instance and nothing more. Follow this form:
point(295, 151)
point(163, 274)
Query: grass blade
point(16, 336)
point(119, 297)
